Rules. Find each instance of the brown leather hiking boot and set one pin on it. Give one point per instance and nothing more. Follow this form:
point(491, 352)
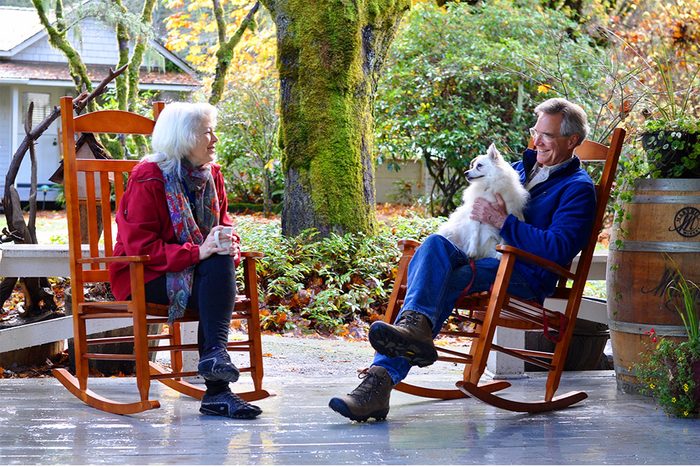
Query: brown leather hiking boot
point(368, 400)
point(411, 337)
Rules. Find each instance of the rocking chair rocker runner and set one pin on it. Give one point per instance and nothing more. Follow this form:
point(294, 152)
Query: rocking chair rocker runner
point(98, 176)
point(489, 310)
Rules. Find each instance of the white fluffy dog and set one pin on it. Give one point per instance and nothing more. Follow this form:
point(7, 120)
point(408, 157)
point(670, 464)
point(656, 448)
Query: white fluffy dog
point(488, 174)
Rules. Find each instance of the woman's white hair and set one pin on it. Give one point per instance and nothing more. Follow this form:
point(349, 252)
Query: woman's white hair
point(176, 131)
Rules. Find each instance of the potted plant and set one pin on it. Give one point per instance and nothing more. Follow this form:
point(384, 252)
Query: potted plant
point(670, 369)
point(669, 104)
point(672, 147)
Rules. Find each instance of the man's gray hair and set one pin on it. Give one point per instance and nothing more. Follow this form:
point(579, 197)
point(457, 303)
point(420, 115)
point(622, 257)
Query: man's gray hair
point(574, 121)
point(176, 131)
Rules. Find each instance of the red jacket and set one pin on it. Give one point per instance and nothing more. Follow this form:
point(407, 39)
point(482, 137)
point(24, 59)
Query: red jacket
point(144, 228)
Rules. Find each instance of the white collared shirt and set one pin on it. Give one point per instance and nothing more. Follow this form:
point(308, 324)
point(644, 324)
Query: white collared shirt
point(539, 173)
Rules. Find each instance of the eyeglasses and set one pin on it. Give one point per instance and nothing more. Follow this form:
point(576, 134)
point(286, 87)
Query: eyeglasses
point(546, 137)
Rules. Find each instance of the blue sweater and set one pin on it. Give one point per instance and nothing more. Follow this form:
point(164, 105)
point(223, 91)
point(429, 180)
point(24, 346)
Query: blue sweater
point(558, 220)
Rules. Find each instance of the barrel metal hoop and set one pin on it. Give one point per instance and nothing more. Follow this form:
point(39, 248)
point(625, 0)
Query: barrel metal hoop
point(651, 199)
point(642, 328)
point(668, 184)
point(659, 247)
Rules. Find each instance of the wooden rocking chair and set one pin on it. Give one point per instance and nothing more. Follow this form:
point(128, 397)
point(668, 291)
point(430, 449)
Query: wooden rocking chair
point(98, 177)
point(488, 310)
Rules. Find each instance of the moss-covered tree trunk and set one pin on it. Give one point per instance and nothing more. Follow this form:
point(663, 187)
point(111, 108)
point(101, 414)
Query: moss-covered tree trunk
point(330, 54)
point(137, 56)
point(135, 69)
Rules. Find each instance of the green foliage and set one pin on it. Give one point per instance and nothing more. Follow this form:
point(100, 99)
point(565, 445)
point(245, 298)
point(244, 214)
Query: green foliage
point(454, 84)
point(324, 284)
point(670, 370)
point(684, 295)
point(143, 106)
point(672, 149)
point(129, 147)
point(113, 14)
point(668, 374)
point(248, 150)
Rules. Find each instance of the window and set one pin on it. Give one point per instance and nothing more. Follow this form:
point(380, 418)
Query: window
point(42, 107)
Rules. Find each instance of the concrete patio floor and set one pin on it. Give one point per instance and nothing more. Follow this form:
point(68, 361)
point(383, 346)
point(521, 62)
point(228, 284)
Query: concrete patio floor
point(41, 423)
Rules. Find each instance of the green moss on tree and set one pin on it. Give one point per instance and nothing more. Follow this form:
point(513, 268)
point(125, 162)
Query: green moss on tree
point(123, 49)
point(329, 58)
point(133, 73)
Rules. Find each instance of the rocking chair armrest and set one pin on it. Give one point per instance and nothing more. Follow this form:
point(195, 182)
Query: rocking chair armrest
point(116, 259)
point(408, 242)
point(408, 246)
point(252, 254)
point(536, 260)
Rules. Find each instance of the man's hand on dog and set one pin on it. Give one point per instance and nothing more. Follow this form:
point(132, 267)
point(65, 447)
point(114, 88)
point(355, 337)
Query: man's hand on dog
point(490, 213)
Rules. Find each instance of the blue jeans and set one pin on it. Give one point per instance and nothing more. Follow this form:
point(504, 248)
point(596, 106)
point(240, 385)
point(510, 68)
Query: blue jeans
point(437, 275)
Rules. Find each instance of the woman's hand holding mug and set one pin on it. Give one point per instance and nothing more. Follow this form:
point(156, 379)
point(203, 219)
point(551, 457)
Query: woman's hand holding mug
point(223, 240)
point(229, 243)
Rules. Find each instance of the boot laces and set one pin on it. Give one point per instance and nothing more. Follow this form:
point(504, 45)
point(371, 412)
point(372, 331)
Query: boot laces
point(410, 320)
point(242, 403)
point(371, 383)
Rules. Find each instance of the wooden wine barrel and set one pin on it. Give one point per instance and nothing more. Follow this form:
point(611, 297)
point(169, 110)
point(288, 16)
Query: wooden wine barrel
point(664, 223)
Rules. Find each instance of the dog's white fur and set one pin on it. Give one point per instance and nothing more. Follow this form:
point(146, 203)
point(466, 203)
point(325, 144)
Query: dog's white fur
point(488, 174)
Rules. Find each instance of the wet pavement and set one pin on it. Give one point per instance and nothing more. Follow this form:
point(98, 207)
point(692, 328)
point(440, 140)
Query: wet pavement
point(41, 423)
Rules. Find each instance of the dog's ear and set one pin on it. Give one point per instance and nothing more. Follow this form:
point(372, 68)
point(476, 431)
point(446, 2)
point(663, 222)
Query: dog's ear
point(493, 153)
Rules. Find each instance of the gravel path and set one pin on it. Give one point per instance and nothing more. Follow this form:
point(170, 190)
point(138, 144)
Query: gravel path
point(334, 356)
point(314, 356)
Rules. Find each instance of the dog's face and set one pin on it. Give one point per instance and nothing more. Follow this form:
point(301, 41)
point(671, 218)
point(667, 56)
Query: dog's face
point(485, 166)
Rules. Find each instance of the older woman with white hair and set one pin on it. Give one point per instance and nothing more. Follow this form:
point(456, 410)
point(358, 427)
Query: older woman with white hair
point(174, 204)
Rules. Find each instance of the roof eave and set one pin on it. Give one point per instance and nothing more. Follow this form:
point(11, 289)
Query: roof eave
point(24, 44)
point(70, 84)
point(183, 65)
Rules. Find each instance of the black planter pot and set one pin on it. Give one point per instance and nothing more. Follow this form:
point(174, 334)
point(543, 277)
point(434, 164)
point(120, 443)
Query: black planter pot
point(585, 351)
point(667, 150)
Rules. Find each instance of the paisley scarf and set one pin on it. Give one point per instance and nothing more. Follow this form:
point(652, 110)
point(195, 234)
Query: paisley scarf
point(194, 210)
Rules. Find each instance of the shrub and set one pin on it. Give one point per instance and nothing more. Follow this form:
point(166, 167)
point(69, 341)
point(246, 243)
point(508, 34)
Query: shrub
point(327, 284)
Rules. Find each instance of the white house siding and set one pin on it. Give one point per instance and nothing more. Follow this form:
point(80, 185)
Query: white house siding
point(47, 146)
point(95, 42)
point(5, 133)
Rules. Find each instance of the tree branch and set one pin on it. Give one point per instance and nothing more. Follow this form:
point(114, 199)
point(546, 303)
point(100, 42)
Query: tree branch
point(225, 52)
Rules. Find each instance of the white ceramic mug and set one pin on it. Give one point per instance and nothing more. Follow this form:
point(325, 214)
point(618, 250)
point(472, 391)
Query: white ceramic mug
point(222, 238)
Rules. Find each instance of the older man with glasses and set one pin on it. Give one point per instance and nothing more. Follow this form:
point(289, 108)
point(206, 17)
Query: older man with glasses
point(558, 221)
